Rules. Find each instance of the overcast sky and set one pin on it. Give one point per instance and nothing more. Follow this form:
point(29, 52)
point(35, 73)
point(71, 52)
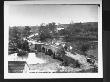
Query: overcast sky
point(37, 14)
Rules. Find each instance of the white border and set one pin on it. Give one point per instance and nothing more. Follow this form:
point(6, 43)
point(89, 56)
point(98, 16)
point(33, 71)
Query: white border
point(53, 75)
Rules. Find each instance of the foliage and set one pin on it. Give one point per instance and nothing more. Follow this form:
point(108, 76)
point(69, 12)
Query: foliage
point(80, 31)
point(22, 53)
point(47, 31)
point(81, 34)
point(78, 34)
point(26, 31)
point(14, 37)
point(16, 40)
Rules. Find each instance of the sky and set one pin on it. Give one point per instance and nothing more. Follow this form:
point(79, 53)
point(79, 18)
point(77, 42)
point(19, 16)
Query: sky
point(34, 14)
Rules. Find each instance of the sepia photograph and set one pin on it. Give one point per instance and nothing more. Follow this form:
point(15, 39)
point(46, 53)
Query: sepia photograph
point(53, 39)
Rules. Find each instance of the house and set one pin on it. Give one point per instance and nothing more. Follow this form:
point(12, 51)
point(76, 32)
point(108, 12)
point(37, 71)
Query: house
point(62, 26)
point(35, 46)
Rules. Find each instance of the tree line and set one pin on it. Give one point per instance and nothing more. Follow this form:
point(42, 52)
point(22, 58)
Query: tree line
point(77, 33)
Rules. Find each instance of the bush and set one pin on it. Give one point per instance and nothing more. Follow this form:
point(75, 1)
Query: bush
point(22, 53)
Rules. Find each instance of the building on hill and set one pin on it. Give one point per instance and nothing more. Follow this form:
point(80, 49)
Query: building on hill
point(62, 26)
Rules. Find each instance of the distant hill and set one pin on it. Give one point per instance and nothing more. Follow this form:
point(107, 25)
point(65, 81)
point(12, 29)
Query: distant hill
point(94, 24)
point(19, 27)
point(90, 23)
point(34, 29)
point(63, 25)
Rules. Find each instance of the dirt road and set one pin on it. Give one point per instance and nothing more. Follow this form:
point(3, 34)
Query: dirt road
point(37, 63)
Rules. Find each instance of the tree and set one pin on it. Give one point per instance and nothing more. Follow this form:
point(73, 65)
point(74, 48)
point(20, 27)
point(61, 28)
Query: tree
point(14, 38)
point(51, 28)
point(47, 31)
point(16, 41)
point(63, 32)
point(26, 31)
